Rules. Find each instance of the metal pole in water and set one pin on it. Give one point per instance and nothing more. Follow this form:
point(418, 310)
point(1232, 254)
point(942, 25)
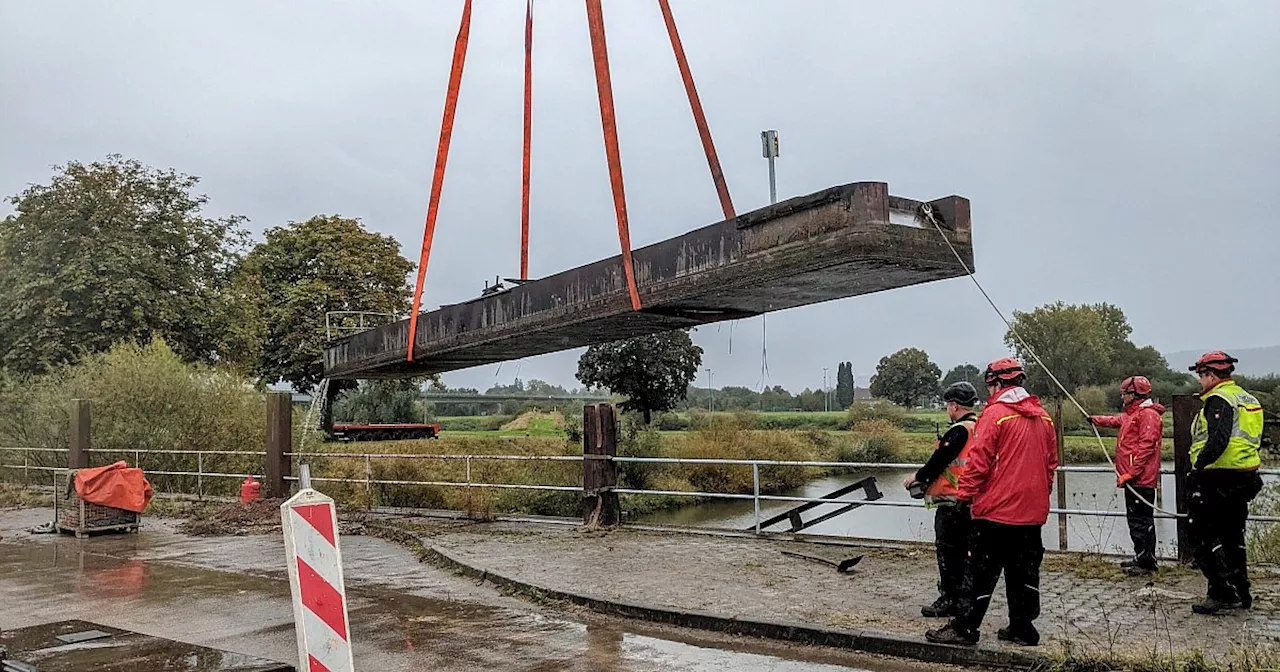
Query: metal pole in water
point(755, 479)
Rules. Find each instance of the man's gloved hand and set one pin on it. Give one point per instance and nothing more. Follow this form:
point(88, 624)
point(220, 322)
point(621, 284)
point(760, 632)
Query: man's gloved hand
point(1193, 485)
point(1122, 479)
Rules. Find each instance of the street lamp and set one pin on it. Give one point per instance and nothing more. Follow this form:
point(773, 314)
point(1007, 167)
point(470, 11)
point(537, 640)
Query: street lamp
point(769, 143)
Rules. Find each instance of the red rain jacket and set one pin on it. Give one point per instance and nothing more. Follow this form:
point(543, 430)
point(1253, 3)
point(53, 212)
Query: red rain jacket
point(1138, 444)
point(1012, 458)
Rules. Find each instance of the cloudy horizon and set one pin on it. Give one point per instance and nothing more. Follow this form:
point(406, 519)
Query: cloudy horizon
point(1123, 153)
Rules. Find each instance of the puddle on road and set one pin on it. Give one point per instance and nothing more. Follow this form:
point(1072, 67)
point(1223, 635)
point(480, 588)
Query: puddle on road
point(99, 580)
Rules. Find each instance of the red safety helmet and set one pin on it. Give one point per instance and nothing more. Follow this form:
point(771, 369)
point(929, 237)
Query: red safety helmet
point(1008, 370)
point(1216, 361)
point(1138, 385)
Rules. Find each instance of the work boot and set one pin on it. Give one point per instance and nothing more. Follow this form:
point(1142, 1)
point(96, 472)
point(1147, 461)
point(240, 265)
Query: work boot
point(1246, 598)
point(1212, 606)
point(943, 607)
point(1139, 570)
point(1126, 564)
point(950, 634)
point(1022, 635)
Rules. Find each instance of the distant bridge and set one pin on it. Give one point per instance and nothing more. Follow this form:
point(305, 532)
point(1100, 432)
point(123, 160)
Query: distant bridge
point(844, 241)
point(517, 398)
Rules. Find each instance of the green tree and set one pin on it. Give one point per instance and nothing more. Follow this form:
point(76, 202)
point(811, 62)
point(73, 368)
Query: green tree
point(381, 401)
point(844, 385)
point(1076, 343)
point(811, 400)
point(963, 372)
point(906, 377)
point(303, 271)
point(653, 372)
point(115, 251)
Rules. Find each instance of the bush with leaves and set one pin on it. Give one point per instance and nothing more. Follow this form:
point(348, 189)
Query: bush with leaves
point(863, 411)
point(145, 398)
point(874, 441)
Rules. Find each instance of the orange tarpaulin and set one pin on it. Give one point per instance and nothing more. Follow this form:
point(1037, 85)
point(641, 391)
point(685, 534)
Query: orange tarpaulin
point(117, 485)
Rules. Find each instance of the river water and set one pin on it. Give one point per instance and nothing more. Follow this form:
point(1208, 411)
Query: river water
point(1091, 491)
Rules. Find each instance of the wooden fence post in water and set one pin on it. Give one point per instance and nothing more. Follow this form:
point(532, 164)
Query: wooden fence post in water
point(279, 444)
point(1185, 408)
point(599, 472)
point(78, 450)
point(1060, 430)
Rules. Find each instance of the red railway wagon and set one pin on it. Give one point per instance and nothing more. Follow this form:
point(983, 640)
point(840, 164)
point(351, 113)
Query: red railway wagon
point(386, 432)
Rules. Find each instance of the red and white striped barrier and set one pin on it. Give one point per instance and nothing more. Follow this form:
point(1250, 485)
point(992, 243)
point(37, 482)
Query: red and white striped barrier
point(310, 522)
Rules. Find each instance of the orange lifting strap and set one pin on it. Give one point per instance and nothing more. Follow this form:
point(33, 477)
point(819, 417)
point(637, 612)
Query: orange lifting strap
point(442, 158)
point(528, 140)
point(604, 89)
point(704, 132)
point(608, 122)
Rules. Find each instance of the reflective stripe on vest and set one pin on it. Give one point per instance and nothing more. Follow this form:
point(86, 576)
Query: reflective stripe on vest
point(1246, 429)
point(946, 486)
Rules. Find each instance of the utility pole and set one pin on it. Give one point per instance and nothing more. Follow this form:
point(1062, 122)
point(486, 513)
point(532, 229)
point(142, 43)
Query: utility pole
point(769, 146)
point(711, 399)
point(826, 400)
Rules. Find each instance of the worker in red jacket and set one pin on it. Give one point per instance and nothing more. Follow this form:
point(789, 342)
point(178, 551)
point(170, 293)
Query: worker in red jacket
point(1137, 467)
point(1007, 482)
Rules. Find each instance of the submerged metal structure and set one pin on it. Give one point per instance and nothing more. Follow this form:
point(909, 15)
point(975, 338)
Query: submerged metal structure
point(840, 242)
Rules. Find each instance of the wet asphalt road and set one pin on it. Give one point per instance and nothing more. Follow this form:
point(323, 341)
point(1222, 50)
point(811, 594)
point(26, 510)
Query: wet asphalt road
point(233, 594)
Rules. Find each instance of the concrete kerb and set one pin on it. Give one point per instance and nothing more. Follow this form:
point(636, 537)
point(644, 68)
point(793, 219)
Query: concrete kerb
point(870, 641)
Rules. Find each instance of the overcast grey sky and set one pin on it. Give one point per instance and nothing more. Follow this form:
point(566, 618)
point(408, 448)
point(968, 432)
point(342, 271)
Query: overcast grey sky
point(1123, 152)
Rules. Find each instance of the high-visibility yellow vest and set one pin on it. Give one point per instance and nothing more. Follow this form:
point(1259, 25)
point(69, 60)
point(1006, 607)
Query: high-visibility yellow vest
point(1246, 429)
point(945, 487)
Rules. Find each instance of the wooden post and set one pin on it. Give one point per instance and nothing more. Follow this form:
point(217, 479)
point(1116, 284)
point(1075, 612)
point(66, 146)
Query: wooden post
point(78, 450)
point(1185, 408)
point(279, 444)
point(599, 471)
point(1062, 475)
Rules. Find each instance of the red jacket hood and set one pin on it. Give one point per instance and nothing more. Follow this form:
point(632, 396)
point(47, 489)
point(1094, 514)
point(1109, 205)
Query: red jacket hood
point(1012, 456)
point(1139, 404)
point(1019, 400)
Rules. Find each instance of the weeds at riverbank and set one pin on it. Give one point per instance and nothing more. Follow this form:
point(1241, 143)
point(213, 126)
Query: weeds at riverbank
point(1264, 539)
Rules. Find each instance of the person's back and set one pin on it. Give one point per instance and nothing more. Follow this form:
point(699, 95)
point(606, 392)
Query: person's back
point(1011, 464)
point(1007, 480)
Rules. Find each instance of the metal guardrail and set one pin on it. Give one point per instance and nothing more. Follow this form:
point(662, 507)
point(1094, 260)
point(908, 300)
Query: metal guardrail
point(200, 474)
point(756, 496)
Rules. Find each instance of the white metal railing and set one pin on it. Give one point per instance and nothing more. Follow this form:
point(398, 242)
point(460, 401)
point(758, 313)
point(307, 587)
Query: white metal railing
point(755, 496)
point(200, 473)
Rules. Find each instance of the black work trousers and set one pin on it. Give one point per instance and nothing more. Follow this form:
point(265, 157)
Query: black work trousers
point(1216, 511)
point(951, 526)
point(1142, 525)
point(1017, 551)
